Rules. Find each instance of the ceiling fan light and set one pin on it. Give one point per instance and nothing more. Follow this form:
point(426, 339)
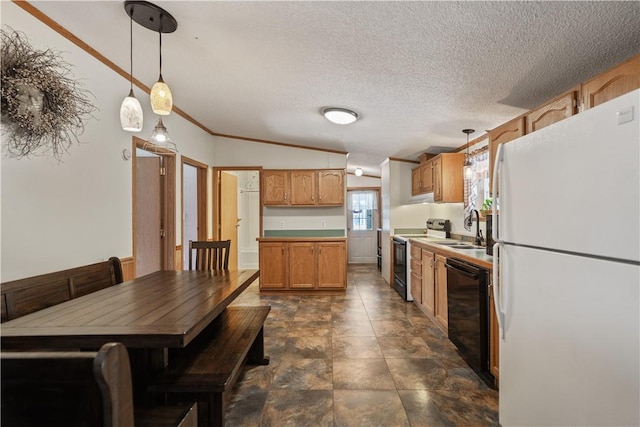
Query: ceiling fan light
point(131, 117)
point(161, 98)
point(340, 116)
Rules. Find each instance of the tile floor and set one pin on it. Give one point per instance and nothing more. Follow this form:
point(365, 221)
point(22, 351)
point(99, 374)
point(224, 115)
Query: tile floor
point(362, 358)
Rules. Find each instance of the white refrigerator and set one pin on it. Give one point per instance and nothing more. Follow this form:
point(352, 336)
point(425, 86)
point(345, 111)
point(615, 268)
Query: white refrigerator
point(567, 270)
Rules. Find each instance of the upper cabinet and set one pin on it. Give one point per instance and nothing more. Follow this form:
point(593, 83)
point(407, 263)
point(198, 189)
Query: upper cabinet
point(501, 135)
point(611, 84)
point(442, 176)
point(552, 112)
point(303, 187)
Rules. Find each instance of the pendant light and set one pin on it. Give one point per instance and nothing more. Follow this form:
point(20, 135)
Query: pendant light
point(467, 165)
point(160, 139)
point(161, 97)
point(131, 117)
point(157, 19)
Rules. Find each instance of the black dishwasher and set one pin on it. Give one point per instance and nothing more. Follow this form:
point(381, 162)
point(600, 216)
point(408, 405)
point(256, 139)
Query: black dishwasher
point(468, 310)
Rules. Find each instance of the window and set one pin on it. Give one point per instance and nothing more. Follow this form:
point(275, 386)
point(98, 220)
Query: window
point(362, 205)
point(476, 189)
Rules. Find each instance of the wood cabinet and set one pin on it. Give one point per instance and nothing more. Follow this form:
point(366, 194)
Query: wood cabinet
point(331, 187)
point(501, 135)
point(442, 176)
point(441, 308)
point(299, 264)
point(428, 281)
point(416, 274)
point(303, 187)
point(273, 267)
point(553, 111)
point(494, 339)
point(275, 187)
point(612, 83)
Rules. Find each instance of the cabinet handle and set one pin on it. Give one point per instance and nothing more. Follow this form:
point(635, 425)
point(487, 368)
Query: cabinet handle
point(311, 249)
point(285, 196)
point(283, 250)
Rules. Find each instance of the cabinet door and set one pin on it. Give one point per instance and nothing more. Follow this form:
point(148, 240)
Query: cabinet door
point(442, 312)
point(416, 287)
point(332, 265)
point(552, 112)
point(611, 84)
point(501, 135)
point(426, 177)
point(302, 265)
point(331, 187)
point(415, 181)
point(494, 339)
point(428, 281)
point(275, 187)
point(273, 265)
point(303, 187)
point(437, 179)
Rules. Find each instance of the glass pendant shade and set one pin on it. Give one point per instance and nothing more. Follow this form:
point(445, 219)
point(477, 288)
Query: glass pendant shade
point(160, 138)
point(468, 170)
point(161, 98)
point(131, 117)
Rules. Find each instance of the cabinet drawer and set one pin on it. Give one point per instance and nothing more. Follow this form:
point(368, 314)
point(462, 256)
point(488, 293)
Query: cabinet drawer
point(416, 267)
point(416, 252)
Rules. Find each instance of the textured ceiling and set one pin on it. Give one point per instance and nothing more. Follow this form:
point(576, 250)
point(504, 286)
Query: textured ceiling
point(416, 72)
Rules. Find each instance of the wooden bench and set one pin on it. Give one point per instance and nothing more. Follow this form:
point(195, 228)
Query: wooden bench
point(78, 389)
point(24, 296)
point(210, 365)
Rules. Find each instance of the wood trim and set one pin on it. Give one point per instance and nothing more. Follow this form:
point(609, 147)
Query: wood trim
point(202, 190)
point(397, 159)
point(128, 268)
point(369, 176)
point(472, 142)
point(283, 144)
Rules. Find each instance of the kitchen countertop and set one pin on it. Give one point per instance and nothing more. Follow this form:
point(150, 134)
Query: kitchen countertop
point(474, 256)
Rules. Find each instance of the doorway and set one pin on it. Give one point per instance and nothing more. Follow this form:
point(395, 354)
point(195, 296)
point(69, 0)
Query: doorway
point(153, 171)
point(238, 213)
point(363, 220)
point(194, 205)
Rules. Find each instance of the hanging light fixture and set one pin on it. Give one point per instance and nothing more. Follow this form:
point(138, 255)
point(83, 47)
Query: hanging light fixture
point(467, 165)
point(160, 140)
point(131, 117)
point(157, 19)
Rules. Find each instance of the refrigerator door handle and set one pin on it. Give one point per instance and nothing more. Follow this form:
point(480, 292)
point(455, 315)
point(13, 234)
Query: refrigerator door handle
point(497, 288)
point(497, 165)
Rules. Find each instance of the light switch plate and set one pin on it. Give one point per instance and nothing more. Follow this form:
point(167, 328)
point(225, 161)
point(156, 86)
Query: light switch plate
point(625, 115)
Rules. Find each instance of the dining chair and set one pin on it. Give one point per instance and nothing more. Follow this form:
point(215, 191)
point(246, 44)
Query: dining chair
point(209, 255)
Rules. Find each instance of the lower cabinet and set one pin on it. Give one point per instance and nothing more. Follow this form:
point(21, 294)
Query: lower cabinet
point(434, 286)
point(303, 265)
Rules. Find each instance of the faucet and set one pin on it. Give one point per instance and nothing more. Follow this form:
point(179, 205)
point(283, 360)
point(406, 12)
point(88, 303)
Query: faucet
point(479, 237)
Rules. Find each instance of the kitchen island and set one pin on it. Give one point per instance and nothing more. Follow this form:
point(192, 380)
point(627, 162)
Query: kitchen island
point(303, 263)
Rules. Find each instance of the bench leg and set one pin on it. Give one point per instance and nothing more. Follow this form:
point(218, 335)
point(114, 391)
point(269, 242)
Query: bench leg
point(211, 409)
point(256, 352)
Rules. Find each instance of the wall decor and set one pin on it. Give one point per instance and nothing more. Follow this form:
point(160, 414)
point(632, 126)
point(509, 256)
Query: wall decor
point(43, 107)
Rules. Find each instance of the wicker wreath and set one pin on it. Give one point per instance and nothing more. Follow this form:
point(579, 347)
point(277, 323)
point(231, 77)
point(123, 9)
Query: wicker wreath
point(43, 107)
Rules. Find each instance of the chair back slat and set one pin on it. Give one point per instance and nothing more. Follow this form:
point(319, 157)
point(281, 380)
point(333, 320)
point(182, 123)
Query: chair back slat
point(209, 255)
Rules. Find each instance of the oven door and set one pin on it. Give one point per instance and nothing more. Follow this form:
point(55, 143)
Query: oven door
point(400, 267)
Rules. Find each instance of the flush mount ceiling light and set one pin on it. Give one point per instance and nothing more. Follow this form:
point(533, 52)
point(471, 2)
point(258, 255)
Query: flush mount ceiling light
point(131, 117)
point(358, 172)
point(341, 116)
point(467, 165)
point(157, 19)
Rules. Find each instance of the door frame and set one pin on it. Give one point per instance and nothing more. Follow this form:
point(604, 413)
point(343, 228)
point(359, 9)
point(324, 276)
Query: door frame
point(168, 191)
point(203, 206)
point(216, 194)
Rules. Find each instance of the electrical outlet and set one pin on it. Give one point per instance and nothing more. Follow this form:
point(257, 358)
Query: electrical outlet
point(281, 224)
point(323, 223)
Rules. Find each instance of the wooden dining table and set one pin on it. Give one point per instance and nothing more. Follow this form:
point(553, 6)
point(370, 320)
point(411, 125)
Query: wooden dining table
point(149, 315)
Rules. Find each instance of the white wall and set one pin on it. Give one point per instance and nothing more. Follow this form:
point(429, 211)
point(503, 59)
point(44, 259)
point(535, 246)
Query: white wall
point(232, 152)
point(62, 215)
point(362, 181)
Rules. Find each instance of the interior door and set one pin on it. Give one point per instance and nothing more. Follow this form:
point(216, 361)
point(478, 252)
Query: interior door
point(148, 215)
point(362, 223)
point(190, 210)
point(229, 221)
